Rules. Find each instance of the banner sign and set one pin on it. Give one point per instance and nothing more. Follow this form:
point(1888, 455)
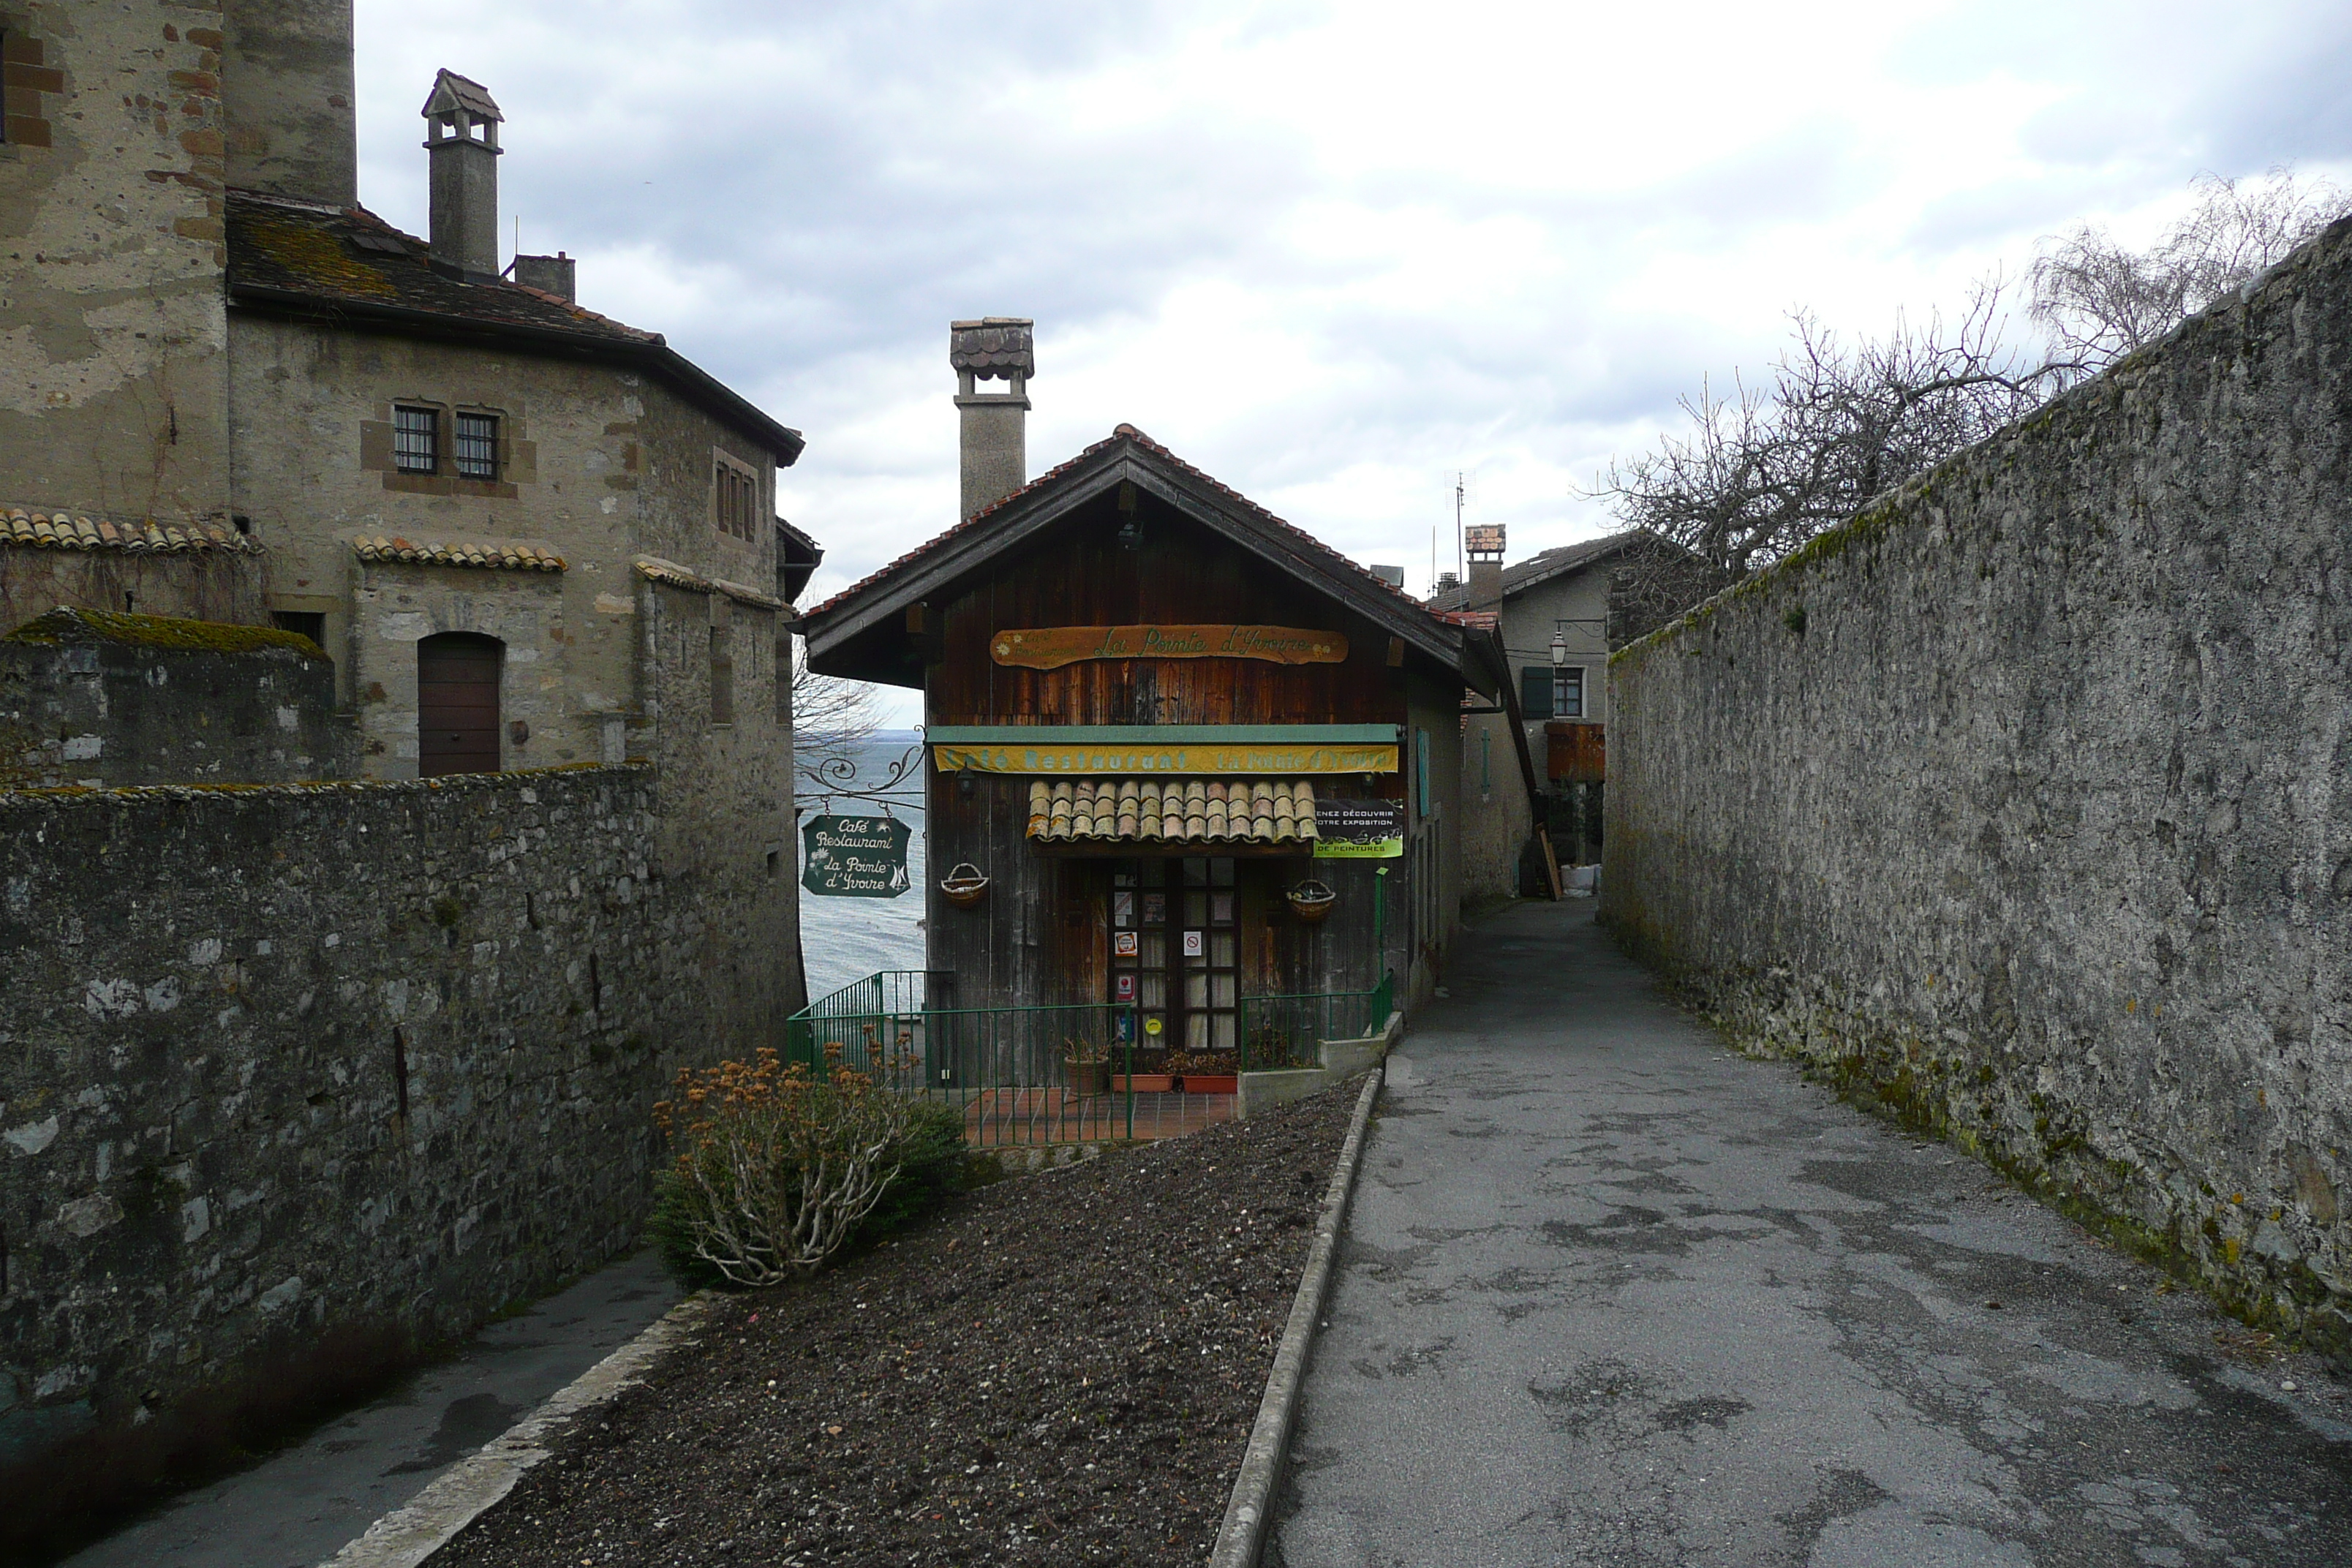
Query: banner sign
point(854, 857)
point(1051, 647)
point(1358, 829)
point(1223, 761)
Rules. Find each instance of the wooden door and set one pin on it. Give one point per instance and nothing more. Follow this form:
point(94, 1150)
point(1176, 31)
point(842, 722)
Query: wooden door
point(458, 704)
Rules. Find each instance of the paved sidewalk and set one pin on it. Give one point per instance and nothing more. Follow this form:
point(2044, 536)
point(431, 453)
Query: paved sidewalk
point(301, 1505)
point(1614, 1296)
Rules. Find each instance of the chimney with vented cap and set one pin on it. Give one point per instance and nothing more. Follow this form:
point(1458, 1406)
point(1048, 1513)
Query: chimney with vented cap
point(995, 451)
point(461, 132)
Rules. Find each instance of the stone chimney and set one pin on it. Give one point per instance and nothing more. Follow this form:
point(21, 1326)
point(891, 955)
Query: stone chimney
point(1484, 545)
point(461, 132)
point(995, 453)
point(558, 275)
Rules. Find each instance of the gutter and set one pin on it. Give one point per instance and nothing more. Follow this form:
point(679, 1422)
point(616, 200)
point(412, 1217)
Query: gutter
point(653, 353)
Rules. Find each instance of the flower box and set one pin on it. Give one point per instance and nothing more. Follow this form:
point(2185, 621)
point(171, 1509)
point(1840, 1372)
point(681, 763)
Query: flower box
point(1211, 1082)
point(1141, 1083)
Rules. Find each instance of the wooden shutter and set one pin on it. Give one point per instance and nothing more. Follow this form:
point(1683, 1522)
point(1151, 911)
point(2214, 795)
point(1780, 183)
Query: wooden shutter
point(1535, 691)
point(458, 704)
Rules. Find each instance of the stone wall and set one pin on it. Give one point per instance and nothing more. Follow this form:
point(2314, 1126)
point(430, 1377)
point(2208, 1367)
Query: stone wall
point(290, 1069)
point(92, 699)
point(2025, 798)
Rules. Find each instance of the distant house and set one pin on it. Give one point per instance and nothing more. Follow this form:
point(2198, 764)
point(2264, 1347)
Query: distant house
point(1553, 612)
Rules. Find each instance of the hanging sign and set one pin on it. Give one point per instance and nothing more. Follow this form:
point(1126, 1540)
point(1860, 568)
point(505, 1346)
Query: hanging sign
point(1051, 647)
point(854, 857)
point(1358, 829)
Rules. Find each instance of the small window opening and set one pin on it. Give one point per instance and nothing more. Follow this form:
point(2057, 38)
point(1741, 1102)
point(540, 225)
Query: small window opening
point(478, 445)
point(595, 987)
point(311, 624)
point(775, 863)
point(244, 524)
point(416, 440)
point(723, 677)
point(399, 1071)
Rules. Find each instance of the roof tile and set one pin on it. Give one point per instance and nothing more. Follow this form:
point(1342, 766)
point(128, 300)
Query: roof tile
point(65, 531)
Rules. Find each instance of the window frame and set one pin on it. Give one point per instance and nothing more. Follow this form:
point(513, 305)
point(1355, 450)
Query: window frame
point(1562, 685)
point(400, 456)
point(459, 438)
point(736, 494)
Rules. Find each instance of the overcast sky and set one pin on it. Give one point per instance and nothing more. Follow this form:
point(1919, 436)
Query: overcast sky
point(1329, 253)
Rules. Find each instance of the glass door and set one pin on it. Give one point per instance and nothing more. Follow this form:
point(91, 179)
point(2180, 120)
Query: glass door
point(1176, 950)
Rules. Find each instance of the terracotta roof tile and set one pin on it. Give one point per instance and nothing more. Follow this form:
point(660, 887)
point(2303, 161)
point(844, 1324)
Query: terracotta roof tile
point(486, 553)
point(64, 530)
point(1196, 811)
point(654, 569)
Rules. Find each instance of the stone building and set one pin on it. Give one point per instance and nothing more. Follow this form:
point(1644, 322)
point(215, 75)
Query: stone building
point(526, 534)
point(480, 599)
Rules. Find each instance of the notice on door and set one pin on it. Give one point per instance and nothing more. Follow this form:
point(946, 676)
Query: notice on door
point(854, 857)
point(1358, 829)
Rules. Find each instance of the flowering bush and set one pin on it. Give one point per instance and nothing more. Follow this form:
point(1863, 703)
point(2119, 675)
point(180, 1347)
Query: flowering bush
point(776, 1166)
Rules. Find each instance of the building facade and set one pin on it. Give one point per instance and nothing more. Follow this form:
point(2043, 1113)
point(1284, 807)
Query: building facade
point(1146, 700)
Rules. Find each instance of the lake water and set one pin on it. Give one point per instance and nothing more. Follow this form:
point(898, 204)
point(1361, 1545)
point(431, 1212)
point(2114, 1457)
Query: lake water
point(843, 939)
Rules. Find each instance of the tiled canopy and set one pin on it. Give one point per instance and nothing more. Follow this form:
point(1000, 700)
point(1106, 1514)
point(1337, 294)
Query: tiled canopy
point(1176, 810)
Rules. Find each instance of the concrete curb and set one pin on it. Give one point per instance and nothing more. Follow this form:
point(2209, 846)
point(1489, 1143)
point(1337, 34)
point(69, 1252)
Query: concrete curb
point(415, 1530)
point(1248, 1511)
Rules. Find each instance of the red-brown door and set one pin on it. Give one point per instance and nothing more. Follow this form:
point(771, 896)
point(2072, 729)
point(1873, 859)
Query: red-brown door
point(457, 703)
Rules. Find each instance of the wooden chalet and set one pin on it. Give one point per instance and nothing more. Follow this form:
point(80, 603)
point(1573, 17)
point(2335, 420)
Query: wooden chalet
point(1148, 703)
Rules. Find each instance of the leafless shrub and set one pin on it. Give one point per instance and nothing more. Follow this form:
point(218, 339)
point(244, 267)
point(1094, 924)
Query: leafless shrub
point(776, 1166)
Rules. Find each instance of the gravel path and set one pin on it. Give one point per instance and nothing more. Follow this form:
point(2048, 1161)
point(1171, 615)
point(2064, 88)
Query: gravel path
point(1057, 1370)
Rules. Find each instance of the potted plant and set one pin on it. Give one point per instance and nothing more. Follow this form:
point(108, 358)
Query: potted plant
point(1088, 1067)
point(1204, 1072)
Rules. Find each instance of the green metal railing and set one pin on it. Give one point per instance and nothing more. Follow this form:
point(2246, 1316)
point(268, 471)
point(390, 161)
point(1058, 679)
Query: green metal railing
point(1286, 1031)
point(1046, 1074)
point(1020, 1074)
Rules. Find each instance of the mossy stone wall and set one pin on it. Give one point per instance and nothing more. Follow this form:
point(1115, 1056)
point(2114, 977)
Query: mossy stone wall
point(2024, 801)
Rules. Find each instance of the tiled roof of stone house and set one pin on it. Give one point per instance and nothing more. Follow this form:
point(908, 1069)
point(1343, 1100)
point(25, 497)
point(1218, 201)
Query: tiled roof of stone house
point(40, 529)
point(483, 552)
point(1543, 567)
point(347, 266)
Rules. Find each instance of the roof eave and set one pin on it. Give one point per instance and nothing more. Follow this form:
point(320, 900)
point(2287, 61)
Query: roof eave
point(698, 386)
point(833, 628)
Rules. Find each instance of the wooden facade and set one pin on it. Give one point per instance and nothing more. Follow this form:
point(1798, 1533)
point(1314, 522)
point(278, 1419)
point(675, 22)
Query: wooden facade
point(1127, 536)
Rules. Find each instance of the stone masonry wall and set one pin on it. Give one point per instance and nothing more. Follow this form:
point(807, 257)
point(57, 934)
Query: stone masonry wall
point(95, 700)
point(2025, 798)
point(285, 1067)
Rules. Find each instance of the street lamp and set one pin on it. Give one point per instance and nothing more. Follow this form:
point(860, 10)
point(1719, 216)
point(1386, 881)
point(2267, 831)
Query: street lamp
point(1559, 648)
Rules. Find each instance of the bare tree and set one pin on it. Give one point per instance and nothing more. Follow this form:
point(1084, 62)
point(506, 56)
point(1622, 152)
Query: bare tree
point(832, 720)
point(2100, 300)
point(1836, 423)
point(1765, 469)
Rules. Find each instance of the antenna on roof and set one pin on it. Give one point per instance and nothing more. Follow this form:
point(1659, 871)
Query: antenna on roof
point(1466, 489)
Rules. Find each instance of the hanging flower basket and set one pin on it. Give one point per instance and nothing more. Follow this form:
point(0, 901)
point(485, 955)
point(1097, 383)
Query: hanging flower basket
point(965, 885)
point(1311, 900)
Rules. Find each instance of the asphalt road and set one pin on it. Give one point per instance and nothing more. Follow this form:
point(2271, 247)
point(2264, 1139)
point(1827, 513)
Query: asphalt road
point(300, 1505)
point(1612, 1295)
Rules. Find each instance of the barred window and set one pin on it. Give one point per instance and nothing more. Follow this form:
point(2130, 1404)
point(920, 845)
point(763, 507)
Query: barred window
point(416, 440)
point(478, 445)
